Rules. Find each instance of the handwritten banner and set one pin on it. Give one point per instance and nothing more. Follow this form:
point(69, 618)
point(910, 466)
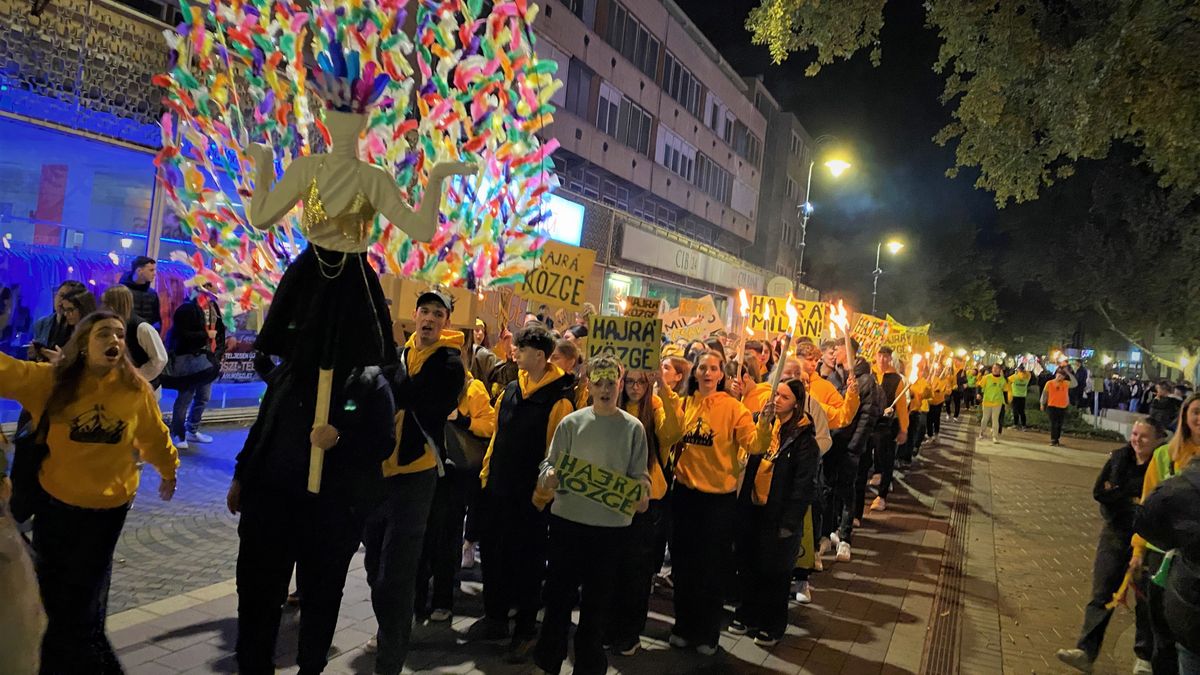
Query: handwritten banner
point(642, 308)
point(694, 319)
point(612, 490)
point(810, 323)
point(635, 342)
point(560, 278)
point(870, 331)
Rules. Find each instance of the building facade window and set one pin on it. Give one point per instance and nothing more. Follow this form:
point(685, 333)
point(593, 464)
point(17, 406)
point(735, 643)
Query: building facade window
point(793, 190)
point(607, 109)
point(712, 179)
point(633, 40)
point(746, 144)
point(579, 87)
point(624, 120)
point(797, 145)
point(681, 85)
point(674, 153)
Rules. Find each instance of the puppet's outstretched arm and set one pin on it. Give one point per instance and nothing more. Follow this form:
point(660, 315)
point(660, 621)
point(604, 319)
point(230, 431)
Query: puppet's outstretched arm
point(422, 223)
point(267, 206)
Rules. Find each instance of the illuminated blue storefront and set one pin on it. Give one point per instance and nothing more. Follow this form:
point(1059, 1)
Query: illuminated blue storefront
point(78, 133)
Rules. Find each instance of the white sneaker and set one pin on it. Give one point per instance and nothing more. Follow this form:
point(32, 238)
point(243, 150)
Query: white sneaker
point(372, 645)
point(180, 443)
point(804, 593)
point(843, 552)
point(440, 615)
point(678, 642)
point(706, 650)
point(1142, 667)
point(468, 555)
point(824, 546)
point(880, 504)
point(197, 437)
point(818, 565)
point(835, 539)
point(1076, 658)
point(875, 480)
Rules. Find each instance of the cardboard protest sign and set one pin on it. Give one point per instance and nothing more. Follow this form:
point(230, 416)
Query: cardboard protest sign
point(694, 319)
point(560, 278)
point(644, 308)
point(811, 322)
point(870, 331)
point(635, 342)
point(611, 489)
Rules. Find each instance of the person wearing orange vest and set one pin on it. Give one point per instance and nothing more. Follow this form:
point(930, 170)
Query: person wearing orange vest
point(1056, 396)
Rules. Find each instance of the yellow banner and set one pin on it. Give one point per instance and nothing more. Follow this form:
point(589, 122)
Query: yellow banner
point(643, 308)
point(635, 342)
point(870, 331)
point(811, 321)
point(611, 489)
point(560, 279)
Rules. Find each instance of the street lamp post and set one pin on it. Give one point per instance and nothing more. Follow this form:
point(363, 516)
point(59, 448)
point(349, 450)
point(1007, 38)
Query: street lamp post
point(836, 167)
point(893, 248)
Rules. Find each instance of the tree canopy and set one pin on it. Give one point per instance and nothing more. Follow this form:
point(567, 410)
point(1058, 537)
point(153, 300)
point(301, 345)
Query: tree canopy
point(1033, 86)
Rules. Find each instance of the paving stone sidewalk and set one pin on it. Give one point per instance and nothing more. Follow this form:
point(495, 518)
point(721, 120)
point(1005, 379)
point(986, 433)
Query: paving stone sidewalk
point(868, 616)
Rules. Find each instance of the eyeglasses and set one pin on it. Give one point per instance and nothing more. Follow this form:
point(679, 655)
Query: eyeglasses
point(635, 383)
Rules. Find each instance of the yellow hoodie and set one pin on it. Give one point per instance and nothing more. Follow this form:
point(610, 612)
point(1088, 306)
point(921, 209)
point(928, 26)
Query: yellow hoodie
point(416, 356)
point(840, 411)
point(560, 410)
point(717, 431)
point(95, 440)
point(756, 398)
point(921, 391)
point(477, 405)
point(940, 389)
point(668, 428)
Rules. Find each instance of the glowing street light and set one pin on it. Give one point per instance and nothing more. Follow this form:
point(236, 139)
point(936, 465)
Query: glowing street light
point(837, 167)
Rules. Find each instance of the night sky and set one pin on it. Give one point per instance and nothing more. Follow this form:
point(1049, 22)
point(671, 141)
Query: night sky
point(888, 115)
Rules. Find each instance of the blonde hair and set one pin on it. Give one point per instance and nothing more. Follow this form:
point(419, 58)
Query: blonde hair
point(119, 300)
point(1183, 441)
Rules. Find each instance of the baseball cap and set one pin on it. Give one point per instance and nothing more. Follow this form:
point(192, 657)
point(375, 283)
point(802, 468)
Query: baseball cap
point(435, 295)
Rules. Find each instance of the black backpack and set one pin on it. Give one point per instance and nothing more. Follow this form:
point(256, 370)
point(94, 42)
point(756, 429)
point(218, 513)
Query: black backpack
point(1181, 598)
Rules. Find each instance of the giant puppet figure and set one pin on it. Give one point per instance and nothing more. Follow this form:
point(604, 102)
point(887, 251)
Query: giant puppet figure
point(367, 168)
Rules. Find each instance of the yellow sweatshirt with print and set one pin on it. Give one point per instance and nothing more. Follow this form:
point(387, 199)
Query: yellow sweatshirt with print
point(416, 356)
point(756, 398)
point(718, 434)
point(94, 442)
point(560, 410)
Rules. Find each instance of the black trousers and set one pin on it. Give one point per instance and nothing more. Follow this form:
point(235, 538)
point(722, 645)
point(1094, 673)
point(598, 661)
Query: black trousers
point(1018, 407)
point(956, 398)
point(1108, 571)
point(1057, 417)
point(513, 545)
point(635, 569)
point(933, 421)
point(318, 534)
point(1165, 659)
point(471, 527)
point(580, 573)
point(74, 548)
point(765, 562)
point(441, 556)
point(394, 535)
point(916, 436)
point(701, 543)
point(841, 475)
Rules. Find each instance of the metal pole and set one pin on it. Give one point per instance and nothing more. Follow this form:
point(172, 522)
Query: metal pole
point(804, 224)
point(876, 272)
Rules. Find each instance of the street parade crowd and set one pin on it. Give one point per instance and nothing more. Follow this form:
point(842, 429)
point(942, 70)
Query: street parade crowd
point(731, 475)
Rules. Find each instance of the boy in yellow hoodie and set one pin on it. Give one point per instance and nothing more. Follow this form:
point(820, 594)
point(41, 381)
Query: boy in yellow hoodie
point(514, 535)
point(428, 381)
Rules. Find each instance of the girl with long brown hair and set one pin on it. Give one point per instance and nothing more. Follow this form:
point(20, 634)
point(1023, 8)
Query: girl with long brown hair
point(96, 414)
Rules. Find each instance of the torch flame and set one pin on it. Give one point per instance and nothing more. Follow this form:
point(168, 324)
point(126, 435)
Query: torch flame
point(767, 315)
point(793, 315)
point(622, 304)
point(743, 303)
point(838, 317)
point(912, 371)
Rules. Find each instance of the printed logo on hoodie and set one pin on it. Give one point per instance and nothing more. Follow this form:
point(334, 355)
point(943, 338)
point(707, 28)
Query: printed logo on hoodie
point(702, 434)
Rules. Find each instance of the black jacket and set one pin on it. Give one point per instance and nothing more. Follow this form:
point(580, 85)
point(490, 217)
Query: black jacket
point(1119, 489)
point(1165, 410)
point(1170, 519)
point(189, 332)
point(795, 480)
point(870, 407)
point(275, 456)
point(145, 300)
point(427, 399)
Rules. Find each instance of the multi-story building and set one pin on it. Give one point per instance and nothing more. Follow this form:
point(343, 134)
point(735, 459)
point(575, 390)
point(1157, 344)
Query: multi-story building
point(786, 169)
point(654, 124)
